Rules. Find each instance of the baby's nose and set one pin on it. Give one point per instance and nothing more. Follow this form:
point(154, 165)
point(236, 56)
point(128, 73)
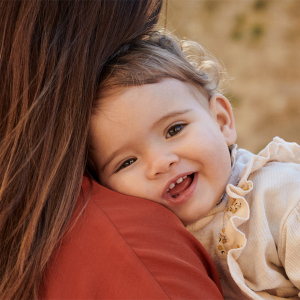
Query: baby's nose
point(160, 163)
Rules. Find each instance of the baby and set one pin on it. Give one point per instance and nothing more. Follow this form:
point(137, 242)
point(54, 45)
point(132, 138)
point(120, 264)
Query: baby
point(160, 131)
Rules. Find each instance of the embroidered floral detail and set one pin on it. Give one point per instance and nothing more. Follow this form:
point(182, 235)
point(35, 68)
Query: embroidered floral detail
point(235, 206)
point(248, 186)
point(221, 249)
point(222, 240)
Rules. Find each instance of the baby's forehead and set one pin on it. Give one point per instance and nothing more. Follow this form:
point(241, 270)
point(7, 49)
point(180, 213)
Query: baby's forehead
point(199, 93)
point(196, 91)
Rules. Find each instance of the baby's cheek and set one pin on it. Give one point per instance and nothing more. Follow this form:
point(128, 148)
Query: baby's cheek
point(116, 185)
point(122, 184)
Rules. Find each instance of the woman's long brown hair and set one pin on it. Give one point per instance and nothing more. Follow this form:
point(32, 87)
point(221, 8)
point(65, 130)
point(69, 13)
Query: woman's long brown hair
point(51, 56)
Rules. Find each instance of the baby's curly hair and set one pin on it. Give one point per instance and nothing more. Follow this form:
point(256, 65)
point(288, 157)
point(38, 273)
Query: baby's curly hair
point(156, 57)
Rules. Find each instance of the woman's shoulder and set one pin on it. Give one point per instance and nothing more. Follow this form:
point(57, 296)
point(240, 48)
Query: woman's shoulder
point(123, 247)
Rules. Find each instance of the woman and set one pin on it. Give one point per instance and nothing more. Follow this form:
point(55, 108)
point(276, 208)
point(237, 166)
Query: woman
point(52, 54)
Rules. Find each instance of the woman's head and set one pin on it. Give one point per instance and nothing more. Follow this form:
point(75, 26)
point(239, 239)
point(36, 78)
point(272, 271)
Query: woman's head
point(51, 57)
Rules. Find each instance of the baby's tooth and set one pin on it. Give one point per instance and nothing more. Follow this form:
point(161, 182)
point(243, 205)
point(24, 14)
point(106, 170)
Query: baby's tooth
point(168, 190)
point(179, 180)
point(184, 177)
point(171, 186)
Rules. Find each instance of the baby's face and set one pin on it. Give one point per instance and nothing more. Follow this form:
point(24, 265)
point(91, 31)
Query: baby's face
point(165, 142)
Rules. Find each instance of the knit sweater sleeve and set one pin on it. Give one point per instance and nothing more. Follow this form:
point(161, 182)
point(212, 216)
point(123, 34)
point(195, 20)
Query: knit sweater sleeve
point(289, 251)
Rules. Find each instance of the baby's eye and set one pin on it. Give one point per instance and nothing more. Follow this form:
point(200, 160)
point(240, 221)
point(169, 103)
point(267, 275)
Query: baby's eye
point(175, 129)
point(126, 163)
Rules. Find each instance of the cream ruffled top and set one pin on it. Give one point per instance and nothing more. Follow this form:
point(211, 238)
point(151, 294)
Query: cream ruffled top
point(253, 235)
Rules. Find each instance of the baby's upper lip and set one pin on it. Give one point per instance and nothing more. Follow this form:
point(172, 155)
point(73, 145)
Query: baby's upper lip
point(174, 180)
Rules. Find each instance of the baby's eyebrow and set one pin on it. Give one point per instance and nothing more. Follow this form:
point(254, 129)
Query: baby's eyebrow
point(156, 124)
point(169, 116)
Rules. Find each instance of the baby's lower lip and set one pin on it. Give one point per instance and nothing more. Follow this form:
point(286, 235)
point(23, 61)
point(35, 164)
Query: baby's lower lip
point(185, 195)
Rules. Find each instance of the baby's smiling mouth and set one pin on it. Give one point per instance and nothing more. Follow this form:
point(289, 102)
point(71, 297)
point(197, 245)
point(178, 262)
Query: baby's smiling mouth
point(180, 185)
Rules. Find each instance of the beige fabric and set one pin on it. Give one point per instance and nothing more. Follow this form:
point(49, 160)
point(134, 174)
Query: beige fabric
point(253, 236)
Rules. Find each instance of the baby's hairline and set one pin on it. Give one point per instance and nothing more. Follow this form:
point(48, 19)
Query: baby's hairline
point(113, 92)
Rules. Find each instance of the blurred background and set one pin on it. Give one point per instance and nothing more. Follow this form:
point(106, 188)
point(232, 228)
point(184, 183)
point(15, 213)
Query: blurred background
point(258, 43)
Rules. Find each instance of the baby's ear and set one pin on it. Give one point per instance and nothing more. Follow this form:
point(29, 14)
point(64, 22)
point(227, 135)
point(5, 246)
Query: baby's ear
point(221, 110)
